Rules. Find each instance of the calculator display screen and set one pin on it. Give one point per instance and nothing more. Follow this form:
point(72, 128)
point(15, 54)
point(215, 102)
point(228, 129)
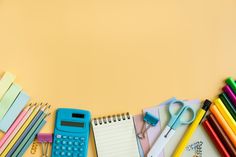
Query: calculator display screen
point(75, 124)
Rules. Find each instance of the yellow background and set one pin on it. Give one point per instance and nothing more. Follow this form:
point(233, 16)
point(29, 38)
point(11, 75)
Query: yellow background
point(111, 56)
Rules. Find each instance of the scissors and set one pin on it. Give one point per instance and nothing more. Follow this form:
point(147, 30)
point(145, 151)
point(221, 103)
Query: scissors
point(175, 121)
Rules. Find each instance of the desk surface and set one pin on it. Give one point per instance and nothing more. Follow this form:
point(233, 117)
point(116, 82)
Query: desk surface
point(114, 56)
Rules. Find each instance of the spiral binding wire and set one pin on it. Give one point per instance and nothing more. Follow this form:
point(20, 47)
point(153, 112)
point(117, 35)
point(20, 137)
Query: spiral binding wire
point(111, 118)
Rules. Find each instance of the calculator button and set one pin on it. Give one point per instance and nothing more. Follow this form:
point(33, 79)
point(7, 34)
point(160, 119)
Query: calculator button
point(63, 148)
point(82, 138)
point(70, 143)
point(63, 153)
point(81, 149)
point(57, 147)
point(56, 153)
point(58, 141)
point(75, 154)
point(75, 149)
point(58, 136)
point(69, 154)
point(80, 155)
point(63, 142)
point(76, 143)
point(70, 137)
point(82, 143)
point(64, 137)
point(69, 148)
point(76, 138)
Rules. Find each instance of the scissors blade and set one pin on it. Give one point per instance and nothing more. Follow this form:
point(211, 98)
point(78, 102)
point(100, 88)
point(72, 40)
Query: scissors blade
point(161, 142)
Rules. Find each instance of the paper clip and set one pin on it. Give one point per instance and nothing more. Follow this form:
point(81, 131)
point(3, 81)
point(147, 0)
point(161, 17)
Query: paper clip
point(45, 139)
point(151, 121)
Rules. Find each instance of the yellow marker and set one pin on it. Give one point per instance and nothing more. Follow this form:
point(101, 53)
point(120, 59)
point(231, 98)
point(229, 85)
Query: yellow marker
point(225, 113)
point(20, 132)
point(188, 134)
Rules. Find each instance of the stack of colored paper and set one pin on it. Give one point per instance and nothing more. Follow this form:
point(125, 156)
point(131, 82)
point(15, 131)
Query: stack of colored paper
point(221, 123)
point(12, 100)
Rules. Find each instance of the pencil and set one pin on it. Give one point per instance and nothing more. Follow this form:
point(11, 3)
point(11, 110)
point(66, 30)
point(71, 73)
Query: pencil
point(18, 134)
point(14, 125)
point(223, 124)
point(38, 117)
point(17, 128)
point(221, 134)
point(30, 135)
point(225, 113)
point(220, 147)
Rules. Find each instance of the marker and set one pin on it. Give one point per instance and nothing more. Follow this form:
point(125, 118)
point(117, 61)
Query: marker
point(230, 81)
point(221, 134)
point(231, 108)
point(188, 134)
point(225, 113)
point(229, 132)
point(219, 145)
point(230, 94)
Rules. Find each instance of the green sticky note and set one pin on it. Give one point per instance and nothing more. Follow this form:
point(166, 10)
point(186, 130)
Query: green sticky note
point(8, 99)
point(6, 82)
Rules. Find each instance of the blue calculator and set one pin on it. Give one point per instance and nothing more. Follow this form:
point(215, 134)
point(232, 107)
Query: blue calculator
point(71, 133)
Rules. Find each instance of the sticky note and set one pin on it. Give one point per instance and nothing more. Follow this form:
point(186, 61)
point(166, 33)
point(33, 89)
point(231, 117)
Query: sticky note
point(8, 98)
point(6, 82)
point(14, 111)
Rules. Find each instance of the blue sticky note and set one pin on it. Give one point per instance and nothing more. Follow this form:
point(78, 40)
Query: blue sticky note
point(14, 111)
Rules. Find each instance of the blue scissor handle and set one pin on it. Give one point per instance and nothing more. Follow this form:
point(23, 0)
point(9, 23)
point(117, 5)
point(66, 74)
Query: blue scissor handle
point(176, 117)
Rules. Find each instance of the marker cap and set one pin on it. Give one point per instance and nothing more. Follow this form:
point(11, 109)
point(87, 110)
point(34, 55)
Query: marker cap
point(206, 105)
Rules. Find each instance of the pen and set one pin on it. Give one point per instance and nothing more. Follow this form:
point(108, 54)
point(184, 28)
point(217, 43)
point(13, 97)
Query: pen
point(188, 134)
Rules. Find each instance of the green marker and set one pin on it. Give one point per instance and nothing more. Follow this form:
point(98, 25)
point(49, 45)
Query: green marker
point(228, 105)
point(230, 81)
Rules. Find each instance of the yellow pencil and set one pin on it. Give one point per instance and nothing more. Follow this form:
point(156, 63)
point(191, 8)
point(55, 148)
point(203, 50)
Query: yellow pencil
point(22, 129)
point(225, 113)
point(188, 134)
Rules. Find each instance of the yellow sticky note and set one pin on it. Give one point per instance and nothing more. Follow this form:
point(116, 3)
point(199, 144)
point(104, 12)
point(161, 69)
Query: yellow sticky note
point(6, 82)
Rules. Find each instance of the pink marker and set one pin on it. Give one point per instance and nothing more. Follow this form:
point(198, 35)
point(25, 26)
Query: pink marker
point(230, 94)
point(13, 126)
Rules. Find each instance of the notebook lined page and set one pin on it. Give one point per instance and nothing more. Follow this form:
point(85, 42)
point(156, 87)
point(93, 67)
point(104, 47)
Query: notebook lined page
point(116, 139)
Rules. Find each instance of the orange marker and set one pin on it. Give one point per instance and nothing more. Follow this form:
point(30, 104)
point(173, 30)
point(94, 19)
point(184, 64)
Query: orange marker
point(223, 124)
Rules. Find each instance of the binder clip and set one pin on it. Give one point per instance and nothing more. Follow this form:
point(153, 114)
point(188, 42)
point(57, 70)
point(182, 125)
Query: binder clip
point(45, 139)
point(150, 120)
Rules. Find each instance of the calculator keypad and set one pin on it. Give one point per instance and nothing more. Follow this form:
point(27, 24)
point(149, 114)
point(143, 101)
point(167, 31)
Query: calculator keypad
point(69, 146)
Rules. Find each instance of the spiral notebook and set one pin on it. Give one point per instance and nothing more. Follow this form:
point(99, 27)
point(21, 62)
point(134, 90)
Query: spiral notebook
point(115, 136)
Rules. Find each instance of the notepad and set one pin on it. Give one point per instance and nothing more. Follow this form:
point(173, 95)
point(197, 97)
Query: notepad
point(115, 136)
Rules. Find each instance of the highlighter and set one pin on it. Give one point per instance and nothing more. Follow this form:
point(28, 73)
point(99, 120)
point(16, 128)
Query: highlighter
point(188, 134)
